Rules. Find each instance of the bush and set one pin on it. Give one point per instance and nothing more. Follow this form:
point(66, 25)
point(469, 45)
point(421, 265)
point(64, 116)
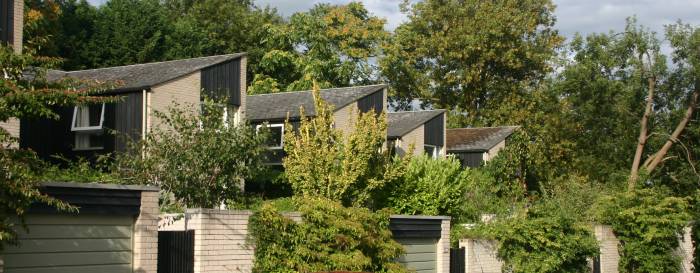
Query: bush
point(647, 222)
point(330, 237)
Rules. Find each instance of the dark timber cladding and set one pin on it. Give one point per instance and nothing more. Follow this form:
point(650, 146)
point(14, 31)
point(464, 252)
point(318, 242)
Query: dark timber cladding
point(470, 159)
point(435, 131)
point(223, 80)
point(6, 21)
point(92, 200)
point(129, 119)
point(415, 228)
point(374, 101)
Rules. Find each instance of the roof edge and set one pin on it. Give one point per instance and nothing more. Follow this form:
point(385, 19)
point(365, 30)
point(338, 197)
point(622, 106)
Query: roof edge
point(98, 186)
point(438, 111)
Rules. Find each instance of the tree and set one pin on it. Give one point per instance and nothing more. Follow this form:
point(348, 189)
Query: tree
point(348, 166)
point(469, 55)
point(200, 158)
point(24, 97)
point(332, 45)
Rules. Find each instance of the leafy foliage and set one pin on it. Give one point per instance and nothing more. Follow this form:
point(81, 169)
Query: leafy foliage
point(470, 54)
point(329, 237)
point(347, 166)
point(648, 223)
point(200, 158)
point(21, 97)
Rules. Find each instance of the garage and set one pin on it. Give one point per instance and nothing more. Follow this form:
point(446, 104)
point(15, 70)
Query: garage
point(419, 236)
point(106, 234)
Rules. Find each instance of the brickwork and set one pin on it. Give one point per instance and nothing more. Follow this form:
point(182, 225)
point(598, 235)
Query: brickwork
point(494, 151)
point(220, 241)
point(414, 138)
point(184, 90)
point(18, 25)
point(12, 127)
point(443, 248)
point(609, 257)
point(240, 116)
point(686, 251)
point(145, 254)
point(480, 256)
point(345, 117)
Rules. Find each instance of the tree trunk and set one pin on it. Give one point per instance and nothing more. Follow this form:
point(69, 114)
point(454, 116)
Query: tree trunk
point(643, 129)
point(658, 157)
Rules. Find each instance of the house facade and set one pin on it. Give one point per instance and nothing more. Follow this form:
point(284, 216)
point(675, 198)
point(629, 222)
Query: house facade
point(272, 110)
point(419, 132)
point(11, 27)
point(143, 89)
point(474, 146)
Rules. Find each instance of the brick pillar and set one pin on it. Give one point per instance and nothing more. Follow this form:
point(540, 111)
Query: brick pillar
point(146, 234)
point(686, 250)
point(609, 257)
point(480, 256)
point(220, 241)
point(443, 248)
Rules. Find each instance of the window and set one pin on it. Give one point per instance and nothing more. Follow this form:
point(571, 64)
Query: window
point(87, 123)
point(430, 150)
point(276, 131)
point(225, 117)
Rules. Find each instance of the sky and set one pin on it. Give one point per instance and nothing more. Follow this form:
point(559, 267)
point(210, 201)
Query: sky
point(582, 16)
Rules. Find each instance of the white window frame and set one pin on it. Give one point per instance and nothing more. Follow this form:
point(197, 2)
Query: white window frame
point(281, 125)
point(86, 134)
point(435, 150)
point(73, 128)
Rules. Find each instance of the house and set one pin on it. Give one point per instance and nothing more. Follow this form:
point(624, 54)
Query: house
point(11, 26)
point(272, 110)
point(143, 89)
point(474, 146)
point(422, 131)
point(114, 230)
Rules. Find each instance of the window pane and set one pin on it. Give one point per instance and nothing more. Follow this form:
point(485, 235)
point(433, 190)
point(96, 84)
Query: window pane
point(276, 134)
point(88, 116)
point(95, 115)
point(429, 151)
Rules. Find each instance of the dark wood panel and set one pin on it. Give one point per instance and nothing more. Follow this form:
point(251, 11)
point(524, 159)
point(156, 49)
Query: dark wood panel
point(6, 21)
point(48, 137)
point(129, 120)
point(93, 201)
point(176, 251)
point(471, 160)
point(435, 131)
point(223, 80)
point(415, 228)
point(374, 101)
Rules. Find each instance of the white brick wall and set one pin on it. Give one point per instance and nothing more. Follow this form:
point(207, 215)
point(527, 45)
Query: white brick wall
point(686, 251)
point(18, 25)
point(220, 241)
point(184, 90)
point(244, 88)
point(344, 118)
point(12, 127)
point(480, 256)
point(609, 256)
point(443, 248)
point(146, 234)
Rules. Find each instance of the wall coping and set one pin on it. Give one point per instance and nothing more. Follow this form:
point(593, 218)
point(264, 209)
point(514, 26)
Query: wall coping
point(98, 186)
point(424, 217)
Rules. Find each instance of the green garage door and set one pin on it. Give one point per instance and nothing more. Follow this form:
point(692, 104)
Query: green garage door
point(72, 244)
point(421, 254)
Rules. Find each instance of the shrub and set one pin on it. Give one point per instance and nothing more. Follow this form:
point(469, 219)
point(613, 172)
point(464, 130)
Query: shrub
point(329, 237)
point(647, 222)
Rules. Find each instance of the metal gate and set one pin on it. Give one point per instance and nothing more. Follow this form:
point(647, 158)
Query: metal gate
point(457, 256)
point(176, 251)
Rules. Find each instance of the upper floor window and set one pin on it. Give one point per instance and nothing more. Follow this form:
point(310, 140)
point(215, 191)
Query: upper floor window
point(276, 135)
point(87, 123)
point(431, 150)
point(88, 117)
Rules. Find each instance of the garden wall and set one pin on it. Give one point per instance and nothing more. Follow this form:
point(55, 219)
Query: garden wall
point(480, 254)
point(220, 239)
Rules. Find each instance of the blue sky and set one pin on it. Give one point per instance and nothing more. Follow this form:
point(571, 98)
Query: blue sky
point(584, 16)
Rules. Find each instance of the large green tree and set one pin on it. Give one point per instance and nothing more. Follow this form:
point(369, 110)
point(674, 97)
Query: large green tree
point(470, 55)
point(331, 44)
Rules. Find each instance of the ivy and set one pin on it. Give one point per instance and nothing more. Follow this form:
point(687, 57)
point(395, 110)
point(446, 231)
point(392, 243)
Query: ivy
point(329, 237)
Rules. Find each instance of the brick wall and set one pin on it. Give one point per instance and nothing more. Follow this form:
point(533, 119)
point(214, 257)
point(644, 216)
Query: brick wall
point(18, 25)
point(184, 90)
point(414, 138)
point(443, 248)
point(220, 241)
point(145, 254)
point(609, 257)
point(494, 151)
point(241, 110)
point(12, 126)
point(686, 251)
point(344, 118)
point(480, 256)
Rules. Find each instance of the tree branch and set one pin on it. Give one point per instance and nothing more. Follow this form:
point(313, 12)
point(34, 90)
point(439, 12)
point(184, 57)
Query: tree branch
point(643, 129)
point(676, 133)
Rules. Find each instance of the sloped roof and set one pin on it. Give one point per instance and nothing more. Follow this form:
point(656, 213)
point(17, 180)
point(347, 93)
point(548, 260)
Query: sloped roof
point(143, 76)
point(477, 139)
point(276, 106)
point(401, 123)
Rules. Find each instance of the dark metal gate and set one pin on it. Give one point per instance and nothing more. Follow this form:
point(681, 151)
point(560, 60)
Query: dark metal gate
point(457, 263)
point(176, 251)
